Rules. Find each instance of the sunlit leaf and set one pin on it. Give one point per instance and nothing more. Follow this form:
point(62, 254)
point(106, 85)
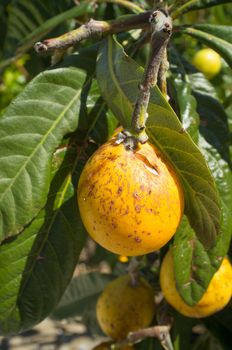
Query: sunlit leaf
point(191, 5)
point(194, 265)
point(32, 127)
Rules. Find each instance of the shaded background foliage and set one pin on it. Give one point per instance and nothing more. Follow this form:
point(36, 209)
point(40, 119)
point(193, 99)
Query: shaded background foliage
point(41, 245)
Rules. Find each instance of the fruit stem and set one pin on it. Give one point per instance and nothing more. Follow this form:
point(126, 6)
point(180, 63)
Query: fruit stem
point(161, 24)
point(133, 270)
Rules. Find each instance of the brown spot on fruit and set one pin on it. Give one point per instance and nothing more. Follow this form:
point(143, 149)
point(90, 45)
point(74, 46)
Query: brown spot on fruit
point(138, 208)
point(136, 195)
point(119, 191)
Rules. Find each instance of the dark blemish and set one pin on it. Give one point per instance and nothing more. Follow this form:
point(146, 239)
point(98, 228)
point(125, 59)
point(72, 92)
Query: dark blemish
point(137, 208)
point(136, 195)
point(119, 191)
point(149, 233)
point(91, 188)
point(153, 168)
point(129, 236)
point(135, 231)
point(114, 225)
point(182, 131)
point(138, 222)
point(94, 228)
point(194, 268)
point(108, 189)
point(126, 212)
point(112, 157)
point(149, 192)
point(137, 240)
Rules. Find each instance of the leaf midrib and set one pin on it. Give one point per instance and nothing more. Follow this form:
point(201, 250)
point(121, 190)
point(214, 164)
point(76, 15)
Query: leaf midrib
point(41, 143)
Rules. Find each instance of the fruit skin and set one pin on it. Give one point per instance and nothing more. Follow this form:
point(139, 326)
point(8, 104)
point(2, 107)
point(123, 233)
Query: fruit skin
point(123, 308)
point(208, 62)
point(216, 297)
point(106, 346)
point(131, 202)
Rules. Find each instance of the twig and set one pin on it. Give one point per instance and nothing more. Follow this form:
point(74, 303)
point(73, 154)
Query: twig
point(161, 32)
point(159, 332)
point(162, 82)
point(92, 28)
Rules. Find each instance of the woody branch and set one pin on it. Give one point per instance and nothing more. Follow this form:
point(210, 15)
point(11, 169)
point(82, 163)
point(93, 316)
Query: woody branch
point(91, 29)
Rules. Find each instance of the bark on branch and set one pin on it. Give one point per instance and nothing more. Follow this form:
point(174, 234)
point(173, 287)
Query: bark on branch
point(94, 28)
point(162, 333)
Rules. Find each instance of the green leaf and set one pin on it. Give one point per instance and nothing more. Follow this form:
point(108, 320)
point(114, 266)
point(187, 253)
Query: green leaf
point(45, 27)
point(37, 265)
point(29, 21)
point(201, 85)
point(217, 37)
point(118, 77)
point(32, 127)
point(194, 265)
point(196, 5)
point(82, 291)
point(214, 122)
point(182, 331)
point(187, 104)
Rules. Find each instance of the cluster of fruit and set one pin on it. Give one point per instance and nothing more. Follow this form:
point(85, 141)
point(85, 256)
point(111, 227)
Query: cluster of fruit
point(125, 306)
point(131, 203)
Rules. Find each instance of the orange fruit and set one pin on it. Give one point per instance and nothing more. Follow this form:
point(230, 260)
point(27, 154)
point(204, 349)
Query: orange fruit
point(131, 201)
point(215, 298)
point(208, 62)
point(123, 308)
